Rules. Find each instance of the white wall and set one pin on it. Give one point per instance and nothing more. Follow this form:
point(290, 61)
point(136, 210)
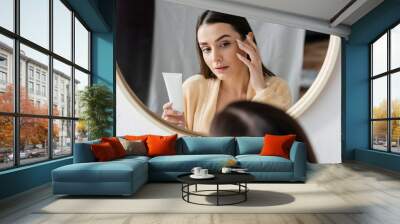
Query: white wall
point(321, 121)
point(130, 120)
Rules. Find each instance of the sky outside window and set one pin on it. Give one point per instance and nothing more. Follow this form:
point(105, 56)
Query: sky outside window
point(379, 56)
point(81, 45)
point(395, 47)
point(35, 27)
point(35, 21)
point(62, 29)
point(7, 14)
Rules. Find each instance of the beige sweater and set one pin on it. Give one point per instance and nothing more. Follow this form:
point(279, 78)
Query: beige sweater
point(201, 95)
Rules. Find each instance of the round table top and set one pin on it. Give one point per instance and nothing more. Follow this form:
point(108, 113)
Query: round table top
point(220, 178)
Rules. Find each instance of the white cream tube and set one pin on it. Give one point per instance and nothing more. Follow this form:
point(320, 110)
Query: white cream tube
point(173, 82)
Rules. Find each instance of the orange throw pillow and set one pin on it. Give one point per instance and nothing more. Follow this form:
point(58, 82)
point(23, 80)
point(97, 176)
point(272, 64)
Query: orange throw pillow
point(161, 145)
point(136, 137)
point(103, 151)
point(277, 145)
point(116, 145)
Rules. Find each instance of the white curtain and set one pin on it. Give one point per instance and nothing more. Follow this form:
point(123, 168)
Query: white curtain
point(174, 49)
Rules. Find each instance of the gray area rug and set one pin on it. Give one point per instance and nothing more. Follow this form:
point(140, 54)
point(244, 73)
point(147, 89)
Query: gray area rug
point(166, 198)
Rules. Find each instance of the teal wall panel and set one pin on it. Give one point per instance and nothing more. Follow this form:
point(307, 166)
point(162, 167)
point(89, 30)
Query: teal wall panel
point(356, 114)
point(24, 178)
point(377, 158)
point(355, 88)
point(89, 11)
point(103, 66)
point(103, 56)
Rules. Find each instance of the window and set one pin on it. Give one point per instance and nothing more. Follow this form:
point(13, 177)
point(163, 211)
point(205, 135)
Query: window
point(6, 73)
point(30, 72)
point(30, 88)
point(38, 89)
point(385, 94)
point(3, 72)
point(3, 61)
point(62, 76)
point(37, 74)
point(54, 125)
point(43, 90)
point(3, 78)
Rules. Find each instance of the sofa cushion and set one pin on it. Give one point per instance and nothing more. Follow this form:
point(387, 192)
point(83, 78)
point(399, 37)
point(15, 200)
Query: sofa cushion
point(206, 145)
point(185, 163)
point(83, 152)
point(133, 158)
point(249, 145)
point(257, 163)
point(111, 171)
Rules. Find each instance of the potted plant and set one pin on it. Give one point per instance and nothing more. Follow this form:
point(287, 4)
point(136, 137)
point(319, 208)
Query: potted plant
point(96, 103)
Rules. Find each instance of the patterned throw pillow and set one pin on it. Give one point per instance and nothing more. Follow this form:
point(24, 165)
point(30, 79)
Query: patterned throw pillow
point(134, 147)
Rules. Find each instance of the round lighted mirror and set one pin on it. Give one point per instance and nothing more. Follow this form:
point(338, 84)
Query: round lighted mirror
point(160, 48)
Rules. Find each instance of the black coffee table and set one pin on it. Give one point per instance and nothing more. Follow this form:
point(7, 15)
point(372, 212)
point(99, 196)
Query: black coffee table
point(238, 179)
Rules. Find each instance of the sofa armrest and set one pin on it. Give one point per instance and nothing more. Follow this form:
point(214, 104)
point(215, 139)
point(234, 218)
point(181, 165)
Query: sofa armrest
point(83, 152)
point(298, 155)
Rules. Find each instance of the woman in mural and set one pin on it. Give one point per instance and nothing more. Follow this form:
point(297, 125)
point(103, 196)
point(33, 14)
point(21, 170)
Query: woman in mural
point(230, 70)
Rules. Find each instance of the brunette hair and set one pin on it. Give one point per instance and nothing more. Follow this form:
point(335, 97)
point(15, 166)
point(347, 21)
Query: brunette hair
point(247, 118)
point(238, 23)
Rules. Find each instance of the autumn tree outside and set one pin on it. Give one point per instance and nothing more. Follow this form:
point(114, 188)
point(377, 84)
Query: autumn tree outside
point(34, 131)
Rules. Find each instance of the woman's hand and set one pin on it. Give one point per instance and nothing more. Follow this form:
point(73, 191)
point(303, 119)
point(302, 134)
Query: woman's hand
point(254, 63)
point(173, 116)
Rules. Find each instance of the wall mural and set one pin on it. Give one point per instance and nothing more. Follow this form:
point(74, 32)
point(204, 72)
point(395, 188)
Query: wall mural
point(216, 58)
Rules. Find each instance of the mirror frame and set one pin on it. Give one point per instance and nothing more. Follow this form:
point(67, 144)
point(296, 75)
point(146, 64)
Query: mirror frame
point(331, 57)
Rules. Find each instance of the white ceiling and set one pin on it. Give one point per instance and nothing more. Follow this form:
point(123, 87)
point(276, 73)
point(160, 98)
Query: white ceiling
point(315, 15)
point(320, 9)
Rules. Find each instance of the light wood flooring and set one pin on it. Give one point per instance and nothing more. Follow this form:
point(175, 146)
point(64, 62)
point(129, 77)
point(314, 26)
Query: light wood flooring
point(378, 188)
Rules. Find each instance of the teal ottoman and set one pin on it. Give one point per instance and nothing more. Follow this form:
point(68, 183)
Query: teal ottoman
point(118, 177)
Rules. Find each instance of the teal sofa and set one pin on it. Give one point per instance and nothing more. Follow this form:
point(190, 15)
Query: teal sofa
point(125, 176)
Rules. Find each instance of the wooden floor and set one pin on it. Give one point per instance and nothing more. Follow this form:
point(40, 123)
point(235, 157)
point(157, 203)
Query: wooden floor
point(378, 188)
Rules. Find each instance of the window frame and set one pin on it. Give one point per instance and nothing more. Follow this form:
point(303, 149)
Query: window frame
point(16, 115)
point(388, 74)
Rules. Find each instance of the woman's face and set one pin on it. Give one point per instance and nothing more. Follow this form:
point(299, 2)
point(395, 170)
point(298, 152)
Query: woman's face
point(219, 47)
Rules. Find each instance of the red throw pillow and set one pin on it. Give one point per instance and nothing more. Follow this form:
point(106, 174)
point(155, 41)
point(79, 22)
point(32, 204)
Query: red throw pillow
point(116, 145)
point(277, 145)
point(103, 151)
point(161, 145)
